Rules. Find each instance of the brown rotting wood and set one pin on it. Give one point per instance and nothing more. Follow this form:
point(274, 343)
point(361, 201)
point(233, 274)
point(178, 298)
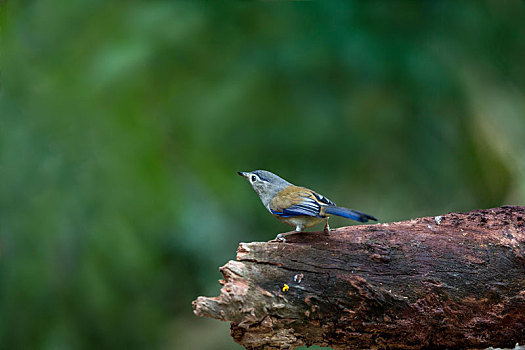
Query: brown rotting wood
point(455, 281)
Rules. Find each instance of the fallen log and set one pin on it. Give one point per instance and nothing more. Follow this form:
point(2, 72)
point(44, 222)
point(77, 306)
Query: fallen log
point(454, 281)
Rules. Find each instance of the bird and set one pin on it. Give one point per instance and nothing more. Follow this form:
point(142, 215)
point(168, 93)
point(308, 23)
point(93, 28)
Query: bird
point(296, 206)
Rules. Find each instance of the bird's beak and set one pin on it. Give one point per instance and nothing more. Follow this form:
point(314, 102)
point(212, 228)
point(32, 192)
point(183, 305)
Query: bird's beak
point(243, 174)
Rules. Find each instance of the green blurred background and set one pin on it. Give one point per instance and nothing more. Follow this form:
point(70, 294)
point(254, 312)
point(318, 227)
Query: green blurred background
point(123, 126)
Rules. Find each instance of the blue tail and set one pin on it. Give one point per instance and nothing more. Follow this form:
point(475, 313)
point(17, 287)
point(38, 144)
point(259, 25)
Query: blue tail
point(349, 213)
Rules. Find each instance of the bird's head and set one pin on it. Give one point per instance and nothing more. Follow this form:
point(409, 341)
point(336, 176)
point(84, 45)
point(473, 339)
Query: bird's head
point(265, 183)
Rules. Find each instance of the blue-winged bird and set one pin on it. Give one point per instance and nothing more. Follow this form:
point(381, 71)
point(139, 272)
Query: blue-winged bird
point(296, 206)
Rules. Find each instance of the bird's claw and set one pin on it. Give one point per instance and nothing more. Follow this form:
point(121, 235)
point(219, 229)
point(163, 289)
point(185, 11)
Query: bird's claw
point(279, 238)
point(326, 227)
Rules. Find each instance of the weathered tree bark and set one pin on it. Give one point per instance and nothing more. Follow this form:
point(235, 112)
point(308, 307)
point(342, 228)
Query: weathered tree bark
point(454, 281)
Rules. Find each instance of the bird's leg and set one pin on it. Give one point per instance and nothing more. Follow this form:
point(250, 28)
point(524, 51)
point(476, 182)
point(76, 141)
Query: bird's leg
point(280, 236)
point(326, 226)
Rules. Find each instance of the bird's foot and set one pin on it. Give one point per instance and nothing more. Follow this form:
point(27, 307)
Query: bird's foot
point(327, 228)
point(279, 238)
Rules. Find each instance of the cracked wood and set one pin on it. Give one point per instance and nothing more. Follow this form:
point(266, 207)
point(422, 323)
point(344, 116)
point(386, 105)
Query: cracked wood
point(453, 281)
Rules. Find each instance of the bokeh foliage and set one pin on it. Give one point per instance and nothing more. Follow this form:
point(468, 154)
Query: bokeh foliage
point(122, 126)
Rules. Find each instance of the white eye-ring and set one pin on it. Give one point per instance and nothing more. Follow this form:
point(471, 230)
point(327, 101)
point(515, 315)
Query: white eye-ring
point(254, 178)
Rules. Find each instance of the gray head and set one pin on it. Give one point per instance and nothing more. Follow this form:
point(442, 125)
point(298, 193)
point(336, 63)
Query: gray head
point(265, 184)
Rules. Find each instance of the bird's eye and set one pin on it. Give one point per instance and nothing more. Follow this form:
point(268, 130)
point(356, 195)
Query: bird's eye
point(254, 178)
